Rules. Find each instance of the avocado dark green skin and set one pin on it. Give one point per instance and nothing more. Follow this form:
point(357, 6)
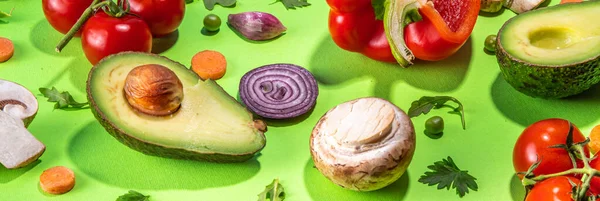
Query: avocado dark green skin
point(154, 149)
point(549, 82)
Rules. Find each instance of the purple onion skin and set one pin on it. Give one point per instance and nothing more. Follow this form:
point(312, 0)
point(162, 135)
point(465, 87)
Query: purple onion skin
point(279, 91)
point(256, 25)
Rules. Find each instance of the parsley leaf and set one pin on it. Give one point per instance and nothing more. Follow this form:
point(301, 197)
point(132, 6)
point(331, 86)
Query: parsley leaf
point(426, 103)
point(5, 15)
point(292, 4)
point(379, 7)
point(210, 4)
point(133, 196)
point(272, 192)
point(63, 99)
point(446, 174)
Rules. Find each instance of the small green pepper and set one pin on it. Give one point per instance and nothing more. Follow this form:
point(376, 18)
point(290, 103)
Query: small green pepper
point(212, 22)
point(434, 125)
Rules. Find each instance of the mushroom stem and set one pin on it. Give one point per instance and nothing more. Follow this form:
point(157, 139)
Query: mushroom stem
point(18, 147)
point(521, 6)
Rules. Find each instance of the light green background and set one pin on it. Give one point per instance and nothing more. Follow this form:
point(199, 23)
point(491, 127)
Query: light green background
point(495, 114)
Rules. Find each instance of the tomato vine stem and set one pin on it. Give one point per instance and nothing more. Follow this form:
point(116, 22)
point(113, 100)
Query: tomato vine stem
point(109, 7)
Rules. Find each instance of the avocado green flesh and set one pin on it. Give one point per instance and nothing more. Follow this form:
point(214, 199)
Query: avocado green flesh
point(209, 121)
point(554, 36)
point(552, 52)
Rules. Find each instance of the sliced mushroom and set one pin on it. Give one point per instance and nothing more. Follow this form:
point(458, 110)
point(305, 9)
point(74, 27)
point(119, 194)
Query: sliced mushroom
point(18, 106)
point(364, 144)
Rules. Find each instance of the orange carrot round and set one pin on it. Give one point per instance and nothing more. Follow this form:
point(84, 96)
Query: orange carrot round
point(595, 139)
point(57, 180)
point(209, 64)
point(6, 49)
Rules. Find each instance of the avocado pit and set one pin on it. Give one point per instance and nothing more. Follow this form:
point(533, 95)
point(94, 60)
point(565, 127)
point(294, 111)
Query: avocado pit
point(154, 90)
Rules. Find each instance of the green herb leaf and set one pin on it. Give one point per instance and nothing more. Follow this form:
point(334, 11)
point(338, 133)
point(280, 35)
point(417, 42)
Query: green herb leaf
point(272, 192)
point(63, 99)
point(379, 7)
point(133, 196)
point(292, 4)
point(426, 103)
point(446, 174)
point(210, 4)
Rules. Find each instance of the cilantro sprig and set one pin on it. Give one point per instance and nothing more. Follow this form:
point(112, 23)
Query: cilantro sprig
point(426, 103)
point(133, 196)
point(446, 174)
point(63, 99)
point(272, 192)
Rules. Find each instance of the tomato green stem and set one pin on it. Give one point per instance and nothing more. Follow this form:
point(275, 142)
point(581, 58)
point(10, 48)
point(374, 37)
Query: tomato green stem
point(84, 17)
point(109, 7)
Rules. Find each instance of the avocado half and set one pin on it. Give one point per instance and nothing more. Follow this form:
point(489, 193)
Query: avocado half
point(552, 52)
point(209, 125)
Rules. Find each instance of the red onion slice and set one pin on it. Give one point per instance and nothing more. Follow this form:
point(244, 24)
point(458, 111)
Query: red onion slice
point(279, 91)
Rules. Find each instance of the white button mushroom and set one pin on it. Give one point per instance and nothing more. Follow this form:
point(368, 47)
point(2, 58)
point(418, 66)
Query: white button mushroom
point(18, 107)
point(364, 144)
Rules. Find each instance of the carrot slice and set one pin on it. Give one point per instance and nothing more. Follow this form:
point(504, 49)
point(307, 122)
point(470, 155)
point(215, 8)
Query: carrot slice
point(595, 139)
point(209, 64)
point(57, 180)
point(6, 49)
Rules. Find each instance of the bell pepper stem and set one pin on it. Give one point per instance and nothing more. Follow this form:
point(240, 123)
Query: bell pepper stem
point(398, 14)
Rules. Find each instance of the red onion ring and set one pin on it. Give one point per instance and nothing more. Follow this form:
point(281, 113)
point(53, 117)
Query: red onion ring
point(279, 91)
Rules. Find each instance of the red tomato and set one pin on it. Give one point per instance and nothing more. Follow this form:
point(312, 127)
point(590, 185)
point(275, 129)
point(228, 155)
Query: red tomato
point(534, 143)
point(62, 14)
point(104, 35)
point(554, 189)
point(595, 183)
point(162, 16)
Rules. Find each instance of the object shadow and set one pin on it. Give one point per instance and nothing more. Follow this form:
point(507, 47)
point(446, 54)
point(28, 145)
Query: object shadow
point(99, 155)
point(580, 109)
point(7, 175)
point(206, 32)
point(164, 43)
point(332, 65)
point(320, 188)
point(45, 38)
point(517, 191)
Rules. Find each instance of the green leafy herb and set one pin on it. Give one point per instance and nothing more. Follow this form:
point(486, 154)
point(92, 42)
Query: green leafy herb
point(379, 7)
point(292, 4)
point(446, 174)
point(272, 192)
point(5, 15)
point(426, 103)
point(133, 196)
point(210, 4)
point(63, 99)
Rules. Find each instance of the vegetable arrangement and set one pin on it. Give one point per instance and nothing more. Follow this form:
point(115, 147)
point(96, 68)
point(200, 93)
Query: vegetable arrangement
point(399, 31)
point(365, 144)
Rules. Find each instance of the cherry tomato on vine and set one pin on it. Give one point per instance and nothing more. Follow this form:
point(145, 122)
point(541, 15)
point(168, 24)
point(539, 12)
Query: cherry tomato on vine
point(104, 35)
point(595, 183)
point(62, 14)
point(535, 141)
point(554, 189)
point(162, 16)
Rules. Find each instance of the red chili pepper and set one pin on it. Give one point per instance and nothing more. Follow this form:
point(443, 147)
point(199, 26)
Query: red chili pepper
point(444, 28)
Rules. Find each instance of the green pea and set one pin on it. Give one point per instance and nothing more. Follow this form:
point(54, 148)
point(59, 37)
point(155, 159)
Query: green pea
point(434, 125)
point(490, 43)
point(212, 22)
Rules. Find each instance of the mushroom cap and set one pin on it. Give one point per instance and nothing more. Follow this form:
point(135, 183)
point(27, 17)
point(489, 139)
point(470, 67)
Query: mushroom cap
point(17, 101)
point(364, 144)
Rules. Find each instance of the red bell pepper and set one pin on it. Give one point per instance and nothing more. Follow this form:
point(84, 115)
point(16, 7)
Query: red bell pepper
point(444, 28)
